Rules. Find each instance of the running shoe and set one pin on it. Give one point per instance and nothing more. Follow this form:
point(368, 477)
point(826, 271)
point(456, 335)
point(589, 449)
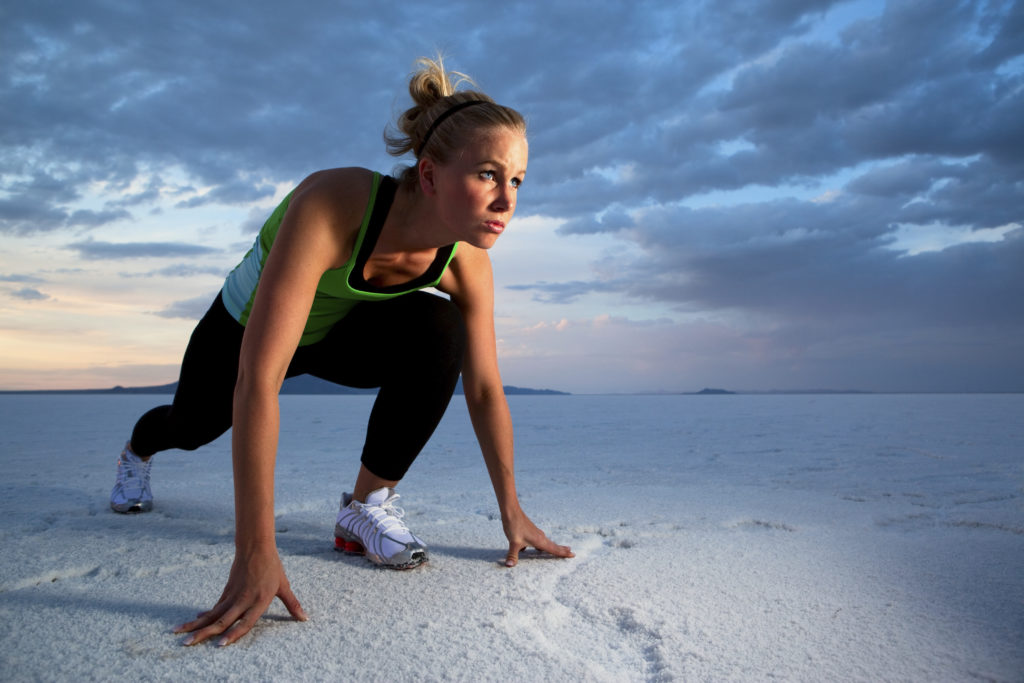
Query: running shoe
point(131, 491)
point(375, 529)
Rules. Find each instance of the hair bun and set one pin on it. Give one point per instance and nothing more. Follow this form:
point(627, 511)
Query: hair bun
point(431, 82)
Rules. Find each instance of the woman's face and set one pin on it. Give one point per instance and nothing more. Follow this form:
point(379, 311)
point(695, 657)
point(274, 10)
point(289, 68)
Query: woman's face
point(477, 187)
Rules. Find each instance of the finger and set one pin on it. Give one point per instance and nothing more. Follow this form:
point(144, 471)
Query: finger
point(214, 629)
point(545, 545)
point(292, 603)
point(512, 558)
point(219, 626)
point(202, 619)
point(241, 627)
point(549, 546)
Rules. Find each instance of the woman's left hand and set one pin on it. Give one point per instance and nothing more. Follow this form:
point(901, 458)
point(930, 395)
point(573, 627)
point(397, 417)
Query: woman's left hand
point(522, 533)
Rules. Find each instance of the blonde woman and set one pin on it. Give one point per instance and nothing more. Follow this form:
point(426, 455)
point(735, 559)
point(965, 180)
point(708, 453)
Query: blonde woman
point(331, 288)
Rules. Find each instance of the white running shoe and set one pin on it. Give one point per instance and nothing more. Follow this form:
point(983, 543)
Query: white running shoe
point(375, 528)
point(131, 491)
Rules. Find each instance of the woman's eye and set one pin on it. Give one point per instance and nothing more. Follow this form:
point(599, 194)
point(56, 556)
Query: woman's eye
point(516, 182)
point(487, 175)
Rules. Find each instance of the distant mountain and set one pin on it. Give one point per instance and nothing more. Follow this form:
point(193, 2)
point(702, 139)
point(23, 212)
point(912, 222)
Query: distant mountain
point(511, 391)
point(303, 384)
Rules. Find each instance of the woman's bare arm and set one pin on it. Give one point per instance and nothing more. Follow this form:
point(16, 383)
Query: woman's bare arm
point(471, 285)
point(313, 237)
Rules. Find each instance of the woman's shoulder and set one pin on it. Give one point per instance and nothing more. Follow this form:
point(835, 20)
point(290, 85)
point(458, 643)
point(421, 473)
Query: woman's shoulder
point(468, 274)
point(336, 184)
point(338, 195)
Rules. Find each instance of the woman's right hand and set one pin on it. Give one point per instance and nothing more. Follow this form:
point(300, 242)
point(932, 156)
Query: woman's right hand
point(256, 579)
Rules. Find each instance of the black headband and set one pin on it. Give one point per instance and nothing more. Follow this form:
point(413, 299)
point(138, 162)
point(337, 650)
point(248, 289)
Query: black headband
point(447, 112)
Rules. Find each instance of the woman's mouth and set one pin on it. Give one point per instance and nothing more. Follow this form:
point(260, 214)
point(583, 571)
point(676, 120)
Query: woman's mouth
point(496, 227)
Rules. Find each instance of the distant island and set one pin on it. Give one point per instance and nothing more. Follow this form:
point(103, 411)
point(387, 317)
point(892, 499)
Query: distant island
point(303, 384)
point(757, 392)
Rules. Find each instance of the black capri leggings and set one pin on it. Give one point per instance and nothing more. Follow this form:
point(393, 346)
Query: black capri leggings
point(411, 347)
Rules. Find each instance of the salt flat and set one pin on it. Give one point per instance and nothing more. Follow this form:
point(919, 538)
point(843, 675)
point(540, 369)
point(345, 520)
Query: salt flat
point(867, 537)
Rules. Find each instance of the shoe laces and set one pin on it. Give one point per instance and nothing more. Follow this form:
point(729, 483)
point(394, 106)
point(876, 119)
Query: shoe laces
point(385, 517)
point(132, 475)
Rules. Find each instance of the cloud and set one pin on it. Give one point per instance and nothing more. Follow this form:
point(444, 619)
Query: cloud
point(30, 294)
point(903, 83)
point(22, 215)
point(184, 270)
point(670, 83)
point(565, 292)
point(807, 260)
point(15, 277)
point(759, 162)
point(906, 107)
point(89, 219)
point(189, 309)
point(106, 90)
point(235, 192)
point(39, 204)
point(99, 250)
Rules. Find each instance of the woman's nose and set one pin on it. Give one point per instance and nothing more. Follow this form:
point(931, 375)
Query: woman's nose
point(505, 200)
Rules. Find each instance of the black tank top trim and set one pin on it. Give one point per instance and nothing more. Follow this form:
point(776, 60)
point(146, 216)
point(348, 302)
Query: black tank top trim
point(381, 207)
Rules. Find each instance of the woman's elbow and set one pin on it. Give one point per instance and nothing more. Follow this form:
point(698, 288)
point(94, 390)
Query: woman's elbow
point(255, 381)
point(483, 395)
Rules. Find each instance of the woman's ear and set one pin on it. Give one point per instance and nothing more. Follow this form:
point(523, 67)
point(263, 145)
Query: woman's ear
point(427, 168)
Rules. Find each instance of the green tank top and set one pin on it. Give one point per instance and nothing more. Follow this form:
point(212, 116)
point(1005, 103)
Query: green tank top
point(339, 289)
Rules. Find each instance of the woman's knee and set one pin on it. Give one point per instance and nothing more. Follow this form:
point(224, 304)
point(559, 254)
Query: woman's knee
point(449, 324)
point(436, 324)
point(443, 336)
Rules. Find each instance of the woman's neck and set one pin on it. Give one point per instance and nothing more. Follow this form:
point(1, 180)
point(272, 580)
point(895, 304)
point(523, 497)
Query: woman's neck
point(412, 225)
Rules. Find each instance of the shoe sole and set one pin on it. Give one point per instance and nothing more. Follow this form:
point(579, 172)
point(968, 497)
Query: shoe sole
point(356, 548)
point(134, 509)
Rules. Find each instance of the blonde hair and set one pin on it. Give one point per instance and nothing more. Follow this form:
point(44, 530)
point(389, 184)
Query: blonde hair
point(428, 129)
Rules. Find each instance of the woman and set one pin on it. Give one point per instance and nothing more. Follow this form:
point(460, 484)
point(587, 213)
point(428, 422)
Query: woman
point(329, 289)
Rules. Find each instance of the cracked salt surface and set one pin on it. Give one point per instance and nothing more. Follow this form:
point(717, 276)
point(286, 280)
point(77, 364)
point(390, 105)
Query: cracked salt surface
point(745, 538)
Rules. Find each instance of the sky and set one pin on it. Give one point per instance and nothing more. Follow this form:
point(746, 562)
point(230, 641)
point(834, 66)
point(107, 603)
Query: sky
point(750, 195)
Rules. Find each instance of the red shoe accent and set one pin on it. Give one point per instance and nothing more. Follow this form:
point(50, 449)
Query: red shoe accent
point(352, 547)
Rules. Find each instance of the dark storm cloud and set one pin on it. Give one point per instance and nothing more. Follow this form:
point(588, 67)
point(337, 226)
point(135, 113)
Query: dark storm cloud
point(911, 82)
point(101, 91)
point(98, 250)
point(920, 91)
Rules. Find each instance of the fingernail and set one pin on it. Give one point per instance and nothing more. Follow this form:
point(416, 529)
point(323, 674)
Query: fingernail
point(189, 640)
point(222, 642)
